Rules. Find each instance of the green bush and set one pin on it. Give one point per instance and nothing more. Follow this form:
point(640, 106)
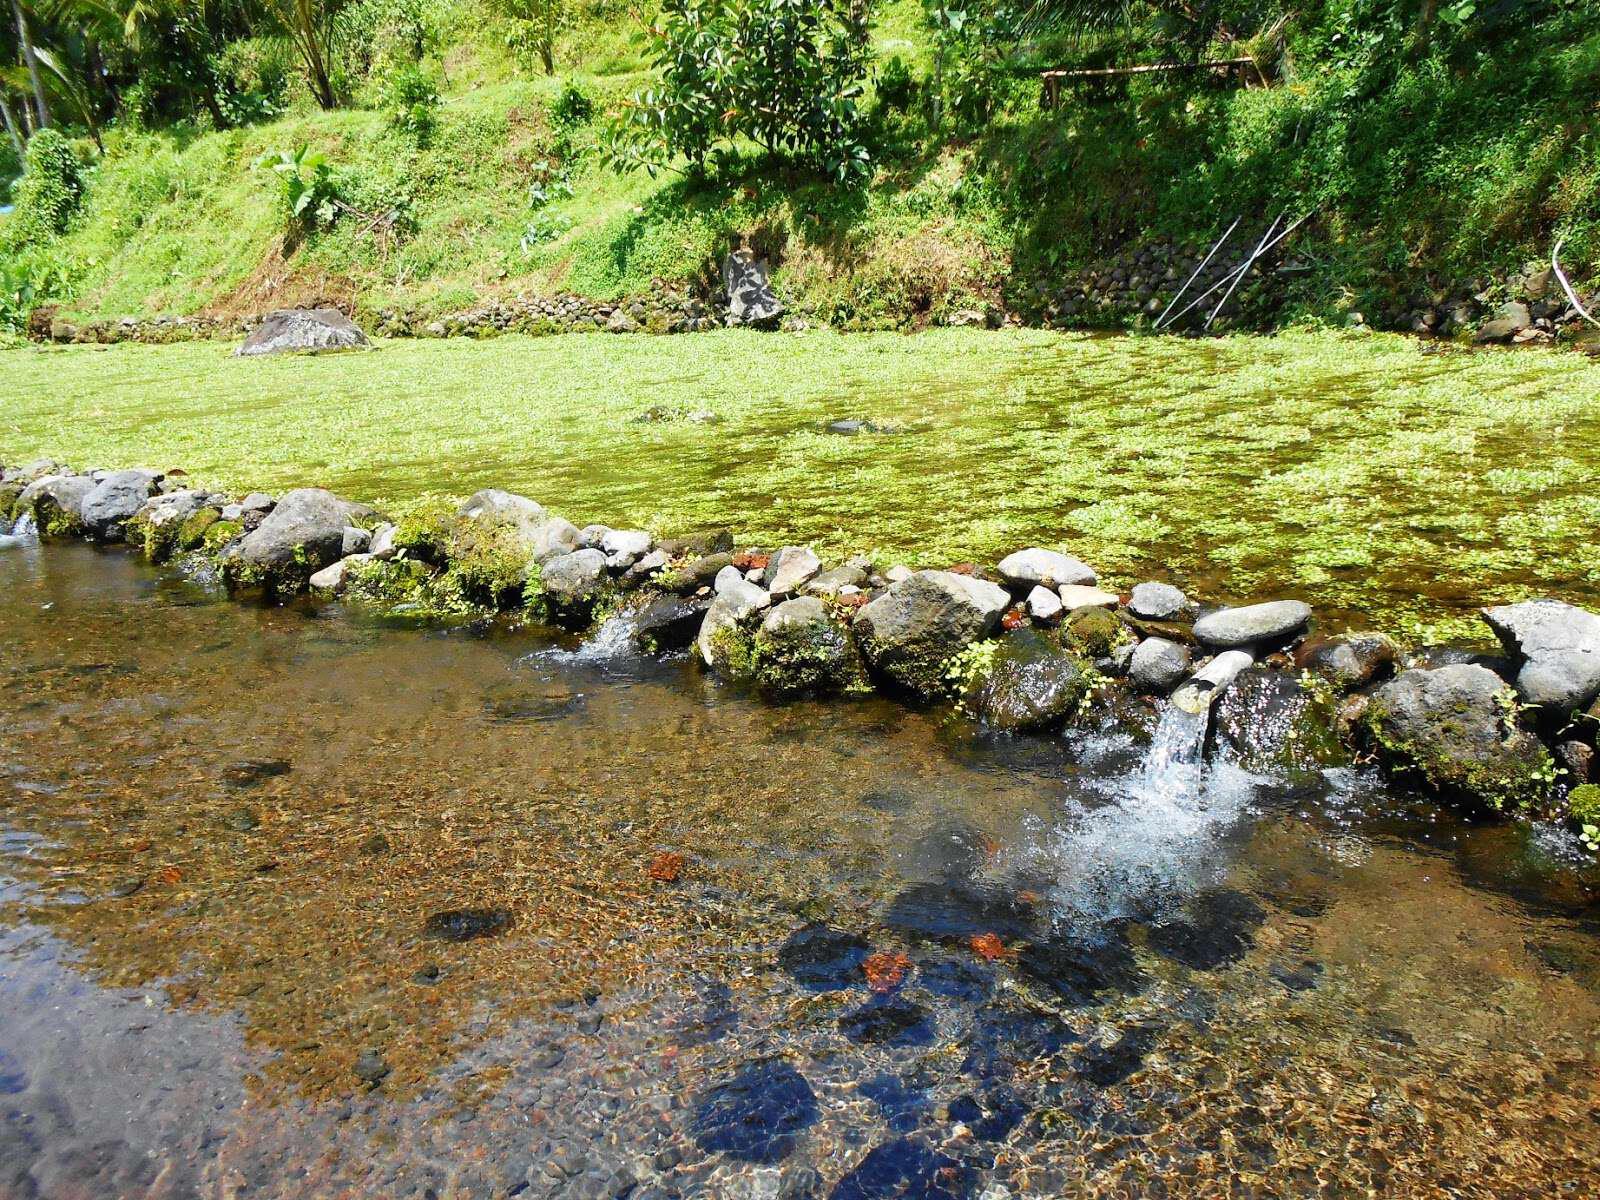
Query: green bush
point(896, 87)
point(306, 187)
point(411, 101)
point(786, 74)
point(254, 79)
point(571, 107)
point(49, 191)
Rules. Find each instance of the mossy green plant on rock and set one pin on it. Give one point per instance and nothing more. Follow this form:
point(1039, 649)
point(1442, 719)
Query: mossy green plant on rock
point(219, 534)
point(733, 652)
point(487, 562)
point(1583, 811)
point(1025, 681)
point(1095, 632)
point(966, 672)
point(813, 658)
point(192, 531)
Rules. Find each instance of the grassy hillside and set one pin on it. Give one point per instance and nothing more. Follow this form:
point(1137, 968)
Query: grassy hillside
point(1421, 173)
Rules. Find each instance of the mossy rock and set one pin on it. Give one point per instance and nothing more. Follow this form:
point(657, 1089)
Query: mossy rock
point(488, 563)
point(1455, 731)
point(1583, 804)
point(1269, 722)
point(191, 533)
point(9, 492)
point(424, 533)
point(1095, 632)
point(219, 534)
point(1029, 682)
point(731, 650)
point(800, 651)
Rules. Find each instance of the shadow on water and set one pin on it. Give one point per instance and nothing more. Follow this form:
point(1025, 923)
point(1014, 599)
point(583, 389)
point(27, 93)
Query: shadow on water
point(341, 909)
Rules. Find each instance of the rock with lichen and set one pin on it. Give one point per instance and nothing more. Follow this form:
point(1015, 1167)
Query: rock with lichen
point(1455, 732)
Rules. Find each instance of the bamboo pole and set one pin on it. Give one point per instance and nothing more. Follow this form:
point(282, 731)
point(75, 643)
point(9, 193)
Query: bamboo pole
point(1205, 262)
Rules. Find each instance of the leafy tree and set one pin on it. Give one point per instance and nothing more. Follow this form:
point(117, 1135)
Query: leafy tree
point(787, 74)
point(309, 24)
point(50, 188)
point(543, 20)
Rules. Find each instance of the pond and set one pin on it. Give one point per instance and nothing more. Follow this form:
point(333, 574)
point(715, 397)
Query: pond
point(294, 903)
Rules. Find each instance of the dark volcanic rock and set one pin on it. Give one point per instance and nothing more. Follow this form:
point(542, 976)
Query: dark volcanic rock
point(668, 623)
point(1108, 1065)
point(1090, 967)
point(1350, 661)
point(757, 1115)
point(822, 958)
point(889, 1021)
point(1032, 684)
point(464, 924)
point(303, 330)
point(906, 1169)
point(1219, 929)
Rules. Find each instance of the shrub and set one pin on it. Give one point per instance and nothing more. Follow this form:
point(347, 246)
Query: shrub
point(254, 77)
point(50, 188)
point(785, 73)
point(411, 99)
point(896, 87)
point(310, 199)
point(571, 107)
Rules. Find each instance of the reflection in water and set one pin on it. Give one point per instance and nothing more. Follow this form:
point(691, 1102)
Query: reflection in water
point(295, 905)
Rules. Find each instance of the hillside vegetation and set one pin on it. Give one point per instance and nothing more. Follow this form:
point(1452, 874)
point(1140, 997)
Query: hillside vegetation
point(456, 169)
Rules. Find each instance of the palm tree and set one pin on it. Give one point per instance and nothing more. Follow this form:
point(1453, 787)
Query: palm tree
point(31, 61)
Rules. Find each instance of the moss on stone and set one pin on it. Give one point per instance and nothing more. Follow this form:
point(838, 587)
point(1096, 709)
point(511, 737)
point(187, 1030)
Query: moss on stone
point(1516, 784)
point(219, 534)
point(733, 653)
point(1583, 804)
point(424, 532)
point(191, 533)
point(55, 522)
point(1096, 632)
point(804, 660)
point(487, 562)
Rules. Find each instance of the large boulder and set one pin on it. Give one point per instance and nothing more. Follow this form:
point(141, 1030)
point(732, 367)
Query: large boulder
point(107, 508)
point(171, 522)
point(304, 330)
point(1048, 568)
point(751, 300)
point(1454, 730)
point(1031, 683)
point(1253, 625)
point(911, 632)
point(801, 651)
point(725, 641)
point(668, 623)
point(1556, 648)
point(493, 502)
point(302, 534)
point(573, 582)
point(55, 502)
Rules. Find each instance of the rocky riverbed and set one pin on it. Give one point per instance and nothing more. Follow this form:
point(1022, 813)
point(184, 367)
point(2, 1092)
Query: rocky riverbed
point(320, 899)
point(1031, 645)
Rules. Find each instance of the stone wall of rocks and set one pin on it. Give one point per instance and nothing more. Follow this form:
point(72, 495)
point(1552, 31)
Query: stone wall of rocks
point(1032, 644)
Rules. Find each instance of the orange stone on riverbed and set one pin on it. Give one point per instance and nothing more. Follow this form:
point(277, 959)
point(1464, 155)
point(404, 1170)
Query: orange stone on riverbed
point(667, 867)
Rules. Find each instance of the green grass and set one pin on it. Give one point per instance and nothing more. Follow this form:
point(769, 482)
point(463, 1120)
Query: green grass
point(1382, 483)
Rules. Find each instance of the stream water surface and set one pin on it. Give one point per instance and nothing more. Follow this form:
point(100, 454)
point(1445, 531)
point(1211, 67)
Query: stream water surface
point(298, 904)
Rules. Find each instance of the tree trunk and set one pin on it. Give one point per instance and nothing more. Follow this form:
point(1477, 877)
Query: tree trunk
point(33, 63)
point(11, 128)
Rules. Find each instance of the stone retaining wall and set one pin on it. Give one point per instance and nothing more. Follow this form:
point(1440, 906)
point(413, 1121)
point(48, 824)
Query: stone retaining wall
point(1035, 643)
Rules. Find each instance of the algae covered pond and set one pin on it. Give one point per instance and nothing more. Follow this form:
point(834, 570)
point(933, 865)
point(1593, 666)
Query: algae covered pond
point(1389, 484)
point(294, 904)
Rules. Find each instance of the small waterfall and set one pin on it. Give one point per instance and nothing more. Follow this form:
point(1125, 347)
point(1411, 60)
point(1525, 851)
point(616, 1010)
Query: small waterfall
point(1151, 836)
point(23, 532)
point(612, 642)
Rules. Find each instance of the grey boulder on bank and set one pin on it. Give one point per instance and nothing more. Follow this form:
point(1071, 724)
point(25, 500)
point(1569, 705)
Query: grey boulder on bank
point(114, 499)
point(751, 300)
point(301, 536)
point(910, 632)
point(1557, 647)
point(303, 331)
point(1254, 624)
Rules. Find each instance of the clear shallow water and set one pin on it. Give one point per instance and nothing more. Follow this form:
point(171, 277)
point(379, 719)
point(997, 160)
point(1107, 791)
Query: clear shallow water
point(223, 831)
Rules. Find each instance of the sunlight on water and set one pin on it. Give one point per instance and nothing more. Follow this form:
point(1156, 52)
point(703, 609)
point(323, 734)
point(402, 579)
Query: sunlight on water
point(1153, 836)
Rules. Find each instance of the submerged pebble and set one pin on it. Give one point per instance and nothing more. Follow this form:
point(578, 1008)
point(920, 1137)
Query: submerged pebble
point(822, 958)
point(464, 924)
point(757, 1115)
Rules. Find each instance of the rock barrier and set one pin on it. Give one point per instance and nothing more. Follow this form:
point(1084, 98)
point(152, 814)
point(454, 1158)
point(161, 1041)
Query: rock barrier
point(1034, 645)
